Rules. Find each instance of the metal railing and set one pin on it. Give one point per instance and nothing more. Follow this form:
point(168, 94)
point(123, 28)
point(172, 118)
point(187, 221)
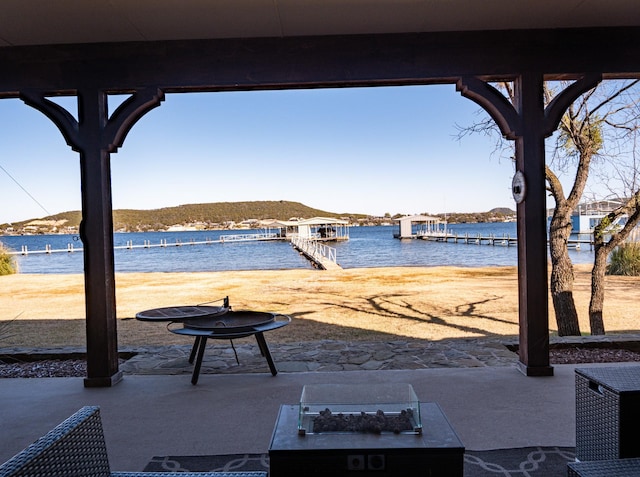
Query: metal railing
point(314, 249)
point(248, 237)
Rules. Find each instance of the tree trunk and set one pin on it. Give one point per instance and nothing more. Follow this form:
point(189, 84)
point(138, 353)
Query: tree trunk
point(562, 276)
point(602, 249)
point(596, 303)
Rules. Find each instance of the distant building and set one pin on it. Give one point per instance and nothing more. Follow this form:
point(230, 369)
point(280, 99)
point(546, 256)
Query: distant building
point(589, 214)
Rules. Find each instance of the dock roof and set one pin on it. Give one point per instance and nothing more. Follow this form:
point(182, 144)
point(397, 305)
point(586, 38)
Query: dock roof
point(311, 221)
point(417, 218)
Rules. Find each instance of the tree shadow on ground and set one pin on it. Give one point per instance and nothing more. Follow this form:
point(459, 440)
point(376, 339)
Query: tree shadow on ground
point(396, 307)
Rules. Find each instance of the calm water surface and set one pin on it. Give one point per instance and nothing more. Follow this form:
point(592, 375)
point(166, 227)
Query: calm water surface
point(367, 247)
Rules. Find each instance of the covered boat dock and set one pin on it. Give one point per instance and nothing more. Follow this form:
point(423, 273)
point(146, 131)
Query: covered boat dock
point(324, 229)
point(415, 226)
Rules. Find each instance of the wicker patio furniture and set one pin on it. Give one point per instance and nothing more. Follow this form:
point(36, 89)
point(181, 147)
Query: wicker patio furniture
point(605, 468)
point(607, 412)
point(76, 448)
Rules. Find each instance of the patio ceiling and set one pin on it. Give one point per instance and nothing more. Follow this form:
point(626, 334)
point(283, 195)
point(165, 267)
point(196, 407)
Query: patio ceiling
point(152, 47)
point(45, 22)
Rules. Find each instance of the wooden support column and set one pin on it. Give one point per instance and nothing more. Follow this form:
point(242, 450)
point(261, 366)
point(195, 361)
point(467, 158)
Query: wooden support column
point(528, 123)
point(96, 232)
point(95, 136)
point(532, 227)
point(525, 123)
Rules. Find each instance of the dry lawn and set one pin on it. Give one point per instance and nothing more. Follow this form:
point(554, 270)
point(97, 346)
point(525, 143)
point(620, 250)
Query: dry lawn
point(357, 304)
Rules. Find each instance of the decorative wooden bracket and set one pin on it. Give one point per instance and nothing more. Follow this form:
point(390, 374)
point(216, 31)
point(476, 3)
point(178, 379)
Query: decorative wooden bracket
point(508, 118)
point(556, 108)
point(493, 102)
point(128, 113)
point(114, 128)
point(65, 122)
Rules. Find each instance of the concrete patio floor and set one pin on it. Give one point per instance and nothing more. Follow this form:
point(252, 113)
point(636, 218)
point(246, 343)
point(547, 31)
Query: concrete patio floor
point(146, 416)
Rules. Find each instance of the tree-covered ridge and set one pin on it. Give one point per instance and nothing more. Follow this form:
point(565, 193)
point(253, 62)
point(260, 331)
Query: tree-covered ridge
point(499, 214)
point(214, 213)
point(219, 215)
point(209, 215)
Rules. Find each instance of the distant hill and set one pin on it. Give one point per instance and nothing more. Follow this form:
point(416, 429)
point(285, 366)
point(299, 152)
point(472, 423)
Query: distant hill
point(217, 215)
point(502, 211)
point(498, 214)
point(209, 215)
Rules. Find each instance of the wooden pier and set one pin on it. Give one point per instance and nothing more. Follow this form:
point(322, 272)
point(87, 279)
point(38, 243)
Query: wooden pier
point(250, 237)
point(494, 240)
point(321, 255)
point(24, 250)
point(164, 243)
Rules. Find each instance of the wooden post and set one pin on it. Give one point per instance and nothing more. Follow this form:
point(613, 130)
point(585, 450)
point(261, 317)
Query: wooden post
point(525, 123)
point(528, 123)
point(96, 232)
point(98, 136)
point(532, 226)
point(95, 136)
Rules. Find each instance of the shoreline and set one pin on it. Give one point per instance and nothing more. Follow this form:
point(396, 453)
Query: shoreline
point(432, 303)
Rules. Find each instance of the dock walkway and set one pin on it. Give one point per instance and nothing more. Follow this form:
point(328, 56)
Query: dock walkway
point(502, 240)
point(320, 254)
point(162, 244)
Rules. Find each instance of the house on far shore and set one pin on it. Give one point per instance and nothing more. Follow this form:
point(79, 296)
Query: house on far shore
point(317, 228)
point(415, 226)
point(589, 214)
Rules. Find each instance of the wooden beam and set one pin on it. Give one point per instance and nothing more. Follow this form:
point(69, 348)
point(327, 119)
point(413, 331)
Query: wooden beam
point(312, 62)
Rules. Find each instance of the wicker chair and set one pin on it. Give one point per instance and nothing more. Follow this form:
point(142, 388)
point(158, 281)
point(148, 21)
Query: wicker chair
point(76, 448)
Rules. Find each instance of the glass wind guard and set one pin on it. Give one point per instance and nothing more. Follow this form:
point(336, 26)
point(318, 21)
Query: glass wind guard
point(376, 409)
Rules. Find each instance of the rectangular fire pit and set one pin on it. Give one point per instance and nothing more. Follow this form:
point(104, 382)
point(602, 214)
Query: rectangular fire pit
point(428, 446)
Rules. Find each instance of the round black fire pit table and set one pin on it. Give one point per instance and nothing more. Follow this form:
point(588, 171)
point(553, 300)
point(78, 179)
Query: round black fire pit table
point(204, 322)
point(181, 313)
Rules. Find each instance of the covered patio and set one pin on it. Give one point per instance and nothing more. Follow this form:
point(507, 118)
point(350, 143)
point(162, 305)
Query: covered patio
point(147, 416)
point(146, 50)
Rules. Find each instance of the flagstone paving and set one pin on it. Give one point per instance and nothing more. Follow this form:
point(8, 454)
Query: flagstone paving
point(326, 355)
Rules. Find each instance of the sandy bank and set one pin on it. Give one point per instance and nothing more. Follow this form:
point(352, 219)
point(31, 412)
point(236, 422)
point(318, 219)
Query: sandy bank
point(356, 304)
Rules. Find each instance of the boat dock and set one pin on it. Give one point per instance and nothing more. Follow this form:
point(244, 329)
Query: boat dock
point(495, 240)
point(306, 233)
point(504, 240)
point(435, 230)
point(321, 255)
point(250, 237)
point(164, 243)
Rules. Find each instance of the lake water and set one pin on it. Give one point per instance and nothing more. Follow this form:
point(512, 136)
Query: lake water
point(367, 247)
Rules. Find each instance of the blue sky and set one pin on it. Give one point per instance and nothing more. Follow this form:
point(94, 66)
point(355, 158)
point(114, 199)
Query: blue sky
point(358, 150)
